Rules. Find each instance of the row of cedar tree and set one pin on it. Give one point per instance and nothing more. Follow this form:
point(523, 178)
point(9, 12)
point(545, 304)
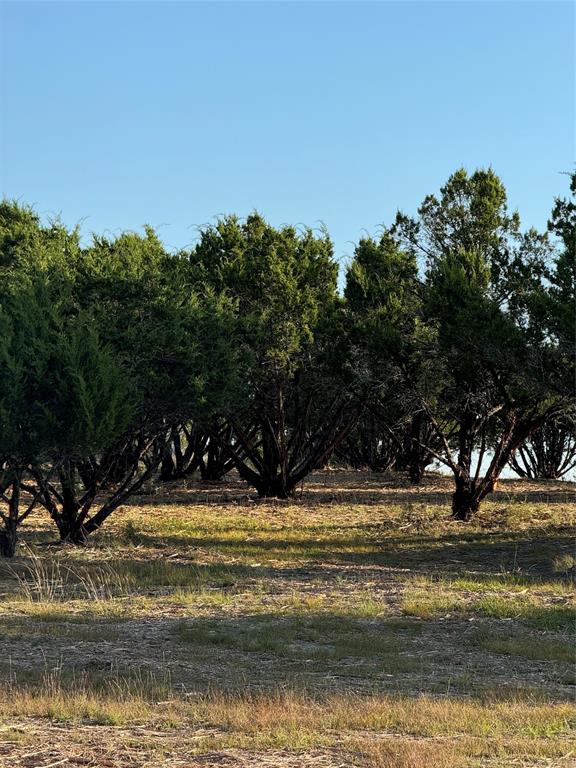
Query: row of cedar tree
point(453, 341)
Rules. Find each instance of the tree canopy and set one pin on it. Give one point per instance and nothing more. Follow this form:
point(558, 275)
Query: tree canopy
point(452, 340)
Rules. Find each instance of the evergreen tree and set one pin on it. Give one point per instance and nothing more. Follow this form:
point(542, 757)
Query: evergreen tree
point(105, 349)
point(293, 402)
point(63, 396)
point(384, 310)
point(492, 382)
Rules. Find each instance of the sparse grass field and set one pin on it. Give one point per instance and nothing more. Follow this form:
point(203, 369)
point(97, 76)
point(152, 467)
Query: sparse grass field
point(353, 626)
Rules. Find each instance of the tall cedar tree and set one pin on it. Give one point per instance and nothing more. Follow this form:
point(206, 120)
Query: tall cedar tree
point(491, 377)
point(551, 450)
point(293, 403)
point(62, 392)
point(383, 307)
point(174, 350)
point(27, 335)
point(123, 351)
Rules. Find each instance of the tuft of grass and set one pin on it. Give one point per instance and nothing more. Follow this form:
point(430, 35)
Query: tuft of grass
point(527, 610)
point(565, 563)
point(53, 580)
point(503, 582)
point(427, 605)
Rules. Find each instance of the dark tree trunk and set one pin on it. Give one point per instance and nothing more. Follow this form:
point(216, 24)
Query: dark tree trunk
point(420, 457)
point(184, 453)
point(216, 462)
point(401, 461)
point(8, 538)
point(168, 468)
point(70, 528)
point(465, 501)
point(412, 455)
point(275, 487)
point(271, 481)
point(74, 534)
point(8, 533)
point(471, 490)
point(68, 521)
point(416, 471)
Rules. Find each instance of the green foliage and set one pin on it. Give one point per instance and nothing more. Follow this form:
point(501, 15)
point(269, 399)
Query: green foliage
point(455, 333)
point(289, 387)
point(481, 273)
point(28, 248)
point(282, 282)
point(382, 299)
point(102, 349)
point(492, 378)
point(560, 298)
point(62, 392)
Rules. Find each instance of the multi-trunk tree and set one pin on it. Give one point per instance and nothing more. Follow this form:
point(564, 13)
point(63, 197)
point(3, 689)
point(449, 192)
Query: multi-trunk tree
point(194, 448)
point(490, 381)
point(389, 436)
point(550, 452)
point(374, 444)
point(293, 401)
point(105, 350)
point(384, 312)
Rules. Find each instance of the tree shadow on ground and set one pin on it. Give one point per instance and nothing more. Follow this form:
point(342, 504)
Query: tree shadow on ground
point(352, 497)
point(316, 654)
point(353, 488)
point(459, 553)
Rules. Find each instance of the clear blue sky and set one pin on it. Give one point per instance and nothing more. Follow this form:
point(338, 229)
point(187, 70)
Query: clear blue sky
point(169, 113)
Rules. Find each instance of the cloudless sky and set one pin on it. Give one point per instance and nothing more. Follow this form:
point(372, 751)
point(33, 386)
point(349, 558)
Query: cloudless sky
point(121, 114)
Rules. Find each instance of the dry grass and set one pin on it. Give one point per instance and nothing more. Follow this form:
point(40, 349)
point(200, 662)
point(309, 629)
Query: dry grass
point(354, 625)
point(292, 721)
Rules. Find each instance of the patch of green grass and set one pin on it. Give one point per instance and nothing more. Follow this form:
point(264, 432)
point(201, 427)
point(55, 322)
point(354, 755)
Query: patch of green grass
point(505, 582)
point(428, 604)
point(430, 598)
point(527, 610)
point(17, 735)
point(81, 611)
point(568, 678)
point(142, 575)
point(357, 605)
point(262, 637)
point(319, 637)
point(544, 648)
point(565, 563)
point(52, 626)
